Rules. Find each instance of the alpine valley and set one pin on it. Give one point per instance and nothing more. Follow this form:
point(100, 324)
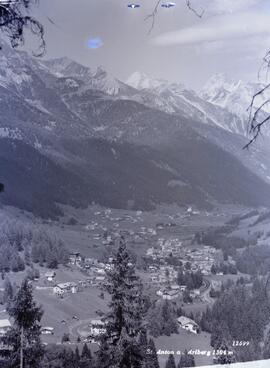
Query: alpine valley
point(75, 136)
point(88, 163)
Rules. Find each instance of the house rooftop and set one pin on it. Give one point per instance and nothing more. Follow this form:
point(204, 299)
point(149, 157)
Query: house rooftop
point(50, 274)
point(47, 328)
point(183, 320)
point(4, 323)
point(65, 285)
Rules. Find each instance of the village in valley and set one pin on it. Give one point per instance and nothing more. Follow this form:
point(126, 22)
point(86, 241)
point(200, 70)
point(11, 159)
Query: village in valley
point(171, 264)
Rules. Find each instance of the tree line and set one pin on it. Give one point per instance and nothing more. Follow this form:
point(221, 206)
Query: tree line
point(21, 246)
point(241, 312)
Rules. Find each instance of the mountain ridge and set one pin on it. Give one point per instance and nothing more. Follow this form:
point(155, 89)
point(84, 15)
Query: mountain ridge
point(119, 145)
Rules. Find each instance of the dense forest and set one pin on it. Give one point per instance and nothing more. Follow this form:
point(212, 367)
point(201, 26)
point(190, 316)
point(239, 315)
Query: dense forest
point(21, 246)
point(240, 313)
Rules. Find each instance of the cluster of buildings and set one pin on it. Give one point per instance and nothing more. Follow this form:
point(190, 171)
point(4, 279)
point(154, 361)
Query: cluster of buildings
point(94, 271)
point(164, 261)
point(160, 275)
point(165, 248)
point(106, 228)
point(171, 292)
point(95, 328)
point(89, 265)
point(200, 259)
point(175, 291)
point(164, 278)
point(203, 258)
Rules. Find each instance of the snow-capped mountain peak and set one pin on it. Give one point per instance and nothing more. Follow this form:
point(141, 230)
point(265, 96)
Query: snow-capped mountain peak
point(102, 80)
point(235, 96)
point(141, 81)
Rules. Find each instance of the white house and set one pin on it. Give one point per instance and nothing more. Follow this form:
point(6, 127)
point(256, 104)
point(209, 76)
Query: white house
point(188, 324)
point(5, 325)
point(170, 294)
point(100, 271)
point(50, 275)
point(75, 258)
point(47, 330)
point(195, 292)
point(160, 292)
point(97, 327)
point(65, 288)
point(100, 279)
point(183, 287)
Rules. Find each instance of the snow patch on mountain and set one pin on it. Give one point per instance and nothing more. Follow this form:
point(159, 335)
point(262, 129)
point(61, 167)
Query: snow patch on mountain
point(95, 79)
point(37, 105)
point(100, 128)
point(103, 81)
point(6, 132)
point(175, 98)
point(141, 81)
point(9, 77)
point(72, 83)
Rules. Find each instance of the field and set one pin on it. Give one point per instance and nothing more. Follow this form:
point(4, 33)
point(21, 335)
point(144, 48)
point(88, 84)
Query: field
point(60, 313)
point(185, 340)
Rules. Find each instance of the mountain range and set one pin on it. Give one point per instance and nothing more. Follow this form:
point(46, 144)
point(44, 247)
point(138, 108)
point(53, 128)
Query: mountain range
point(74, 135)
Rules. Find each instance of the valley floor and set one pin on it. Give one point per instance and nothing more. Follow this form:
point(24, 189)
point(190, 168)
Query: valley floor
point(81, 231)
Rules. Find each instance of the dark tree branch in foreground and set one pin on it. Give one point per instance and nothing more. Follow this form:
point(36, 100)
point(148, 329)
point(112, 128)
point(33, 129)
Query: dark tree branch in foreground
point(194, 10)
point(258, 117)
point(15, 20)
point(153, 15)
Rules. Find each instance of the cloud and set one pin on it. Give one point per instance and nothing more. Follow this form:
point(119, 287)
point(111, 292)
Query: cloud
point(231, 6)
point(255, 46)
point(219, 28)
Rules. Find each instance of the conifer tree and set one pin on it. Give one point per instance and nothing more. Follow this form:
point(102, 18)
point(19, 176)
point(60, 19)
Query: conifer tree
point(226, 357)
point(24, 336)
point(162, 319)
point(124, 320)
point(8, 291)
point(168, 316)
point(186, 360)
point(171, 362)
point(27, 256)
point(103, 355)
point(77, 354)
point(86, 357)
point(151, 355)
point(143, 342)
point(266, 347)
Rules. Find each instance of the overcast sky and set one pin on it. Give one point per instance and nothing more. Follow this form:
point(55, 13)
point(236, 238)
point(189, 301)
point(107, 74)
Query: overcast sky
point(231, 37)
